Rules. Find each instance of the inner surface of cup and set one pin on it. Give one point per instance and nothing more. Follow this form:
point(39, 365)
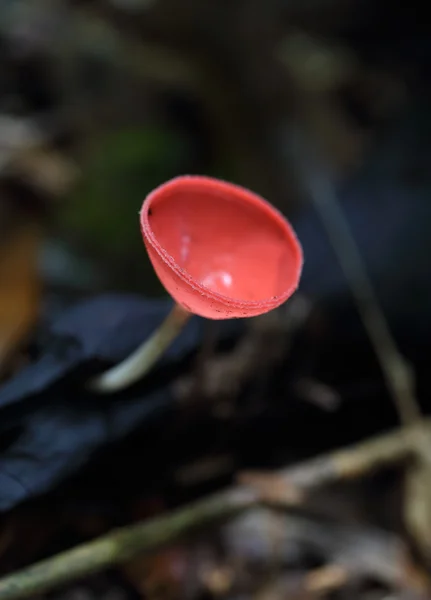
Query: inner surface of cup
point(239, 249)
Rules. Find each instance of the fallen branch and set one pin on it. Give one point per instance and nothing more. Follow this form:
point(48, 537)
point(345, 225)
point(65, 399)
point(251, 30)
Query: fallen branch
point(122, 545)
point(290, 486)
point(287, 487)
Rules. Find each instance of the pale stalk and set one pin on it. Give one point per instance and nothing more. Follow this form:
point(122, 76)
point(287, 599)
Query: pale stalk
point(140, 362)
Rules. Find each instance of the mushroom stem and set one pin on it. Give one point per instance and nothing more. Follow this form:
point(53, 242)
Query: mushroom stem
point(135, 366)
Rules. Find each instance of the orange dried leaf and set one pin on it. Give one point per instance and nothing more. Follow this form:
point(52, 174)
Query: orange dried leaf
point(19, 288)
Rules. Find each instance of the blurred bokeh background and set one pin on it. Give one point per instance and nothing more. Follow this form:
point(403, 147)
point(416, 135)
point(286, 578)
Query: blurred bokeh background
point(314, 104)
point(102, 101)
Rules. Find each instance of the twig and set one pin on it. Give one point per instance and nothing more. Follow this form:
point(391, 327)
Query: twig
point(289, 486)
point(286, 487)
point(397, 372)
point(122, 545)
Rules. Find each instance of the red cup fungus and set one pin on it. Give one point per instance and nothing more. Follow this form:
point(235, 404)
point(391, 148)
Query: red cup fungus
point(220, 250)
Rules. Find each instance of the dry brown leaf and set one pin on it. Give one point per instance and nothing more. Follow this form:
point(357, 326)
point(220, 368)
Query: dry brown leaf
point(326, 579)
point(159, 576)
point(45, 169)
point(19, 287)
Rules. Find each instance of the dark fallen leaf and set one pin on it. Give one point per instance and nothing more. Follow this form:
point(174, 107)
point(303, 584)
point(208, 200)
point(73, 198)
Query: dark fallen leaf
point(102, 330)
point(53, 424)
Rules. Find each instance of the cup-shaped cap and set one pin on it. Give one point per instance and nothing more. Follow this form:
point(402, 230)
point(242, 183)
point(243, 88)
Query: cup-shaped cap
point(220, 250)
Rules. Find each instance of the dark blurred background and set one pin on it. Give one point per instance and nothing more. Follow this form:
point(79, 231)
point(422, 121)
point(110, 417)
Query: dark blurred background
point(101, 101)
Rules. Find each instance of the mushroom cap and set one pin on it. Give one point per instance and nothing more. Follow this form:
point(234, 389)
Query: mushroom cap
point(220, 250)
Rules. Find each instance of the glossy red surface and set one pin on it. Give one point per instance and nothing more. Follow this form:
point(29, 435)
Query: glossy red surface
point(220, 250)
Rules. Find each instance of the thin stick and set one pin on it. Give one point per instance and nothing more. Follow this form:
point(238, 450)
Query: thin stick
point(142, 360)
point(397, 372)
point(289, 486)
point(286, 487)
point(122, 545)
